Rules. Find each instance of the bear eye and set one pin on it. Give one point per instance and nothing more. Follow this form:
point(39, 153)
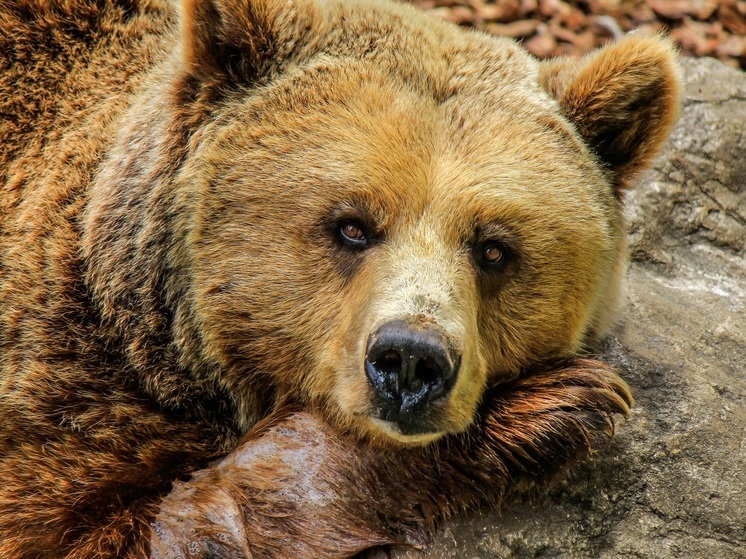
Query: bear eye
point(492, 255)
point(353, 235)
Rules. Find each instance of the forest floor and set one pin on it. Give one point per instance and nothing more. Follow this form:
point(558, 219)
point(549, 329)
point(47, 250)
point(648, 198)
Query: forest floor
point(547, 28)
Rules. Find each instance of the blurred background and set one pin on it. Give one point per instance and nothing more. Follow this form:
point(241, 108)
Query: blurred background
point(554, 27)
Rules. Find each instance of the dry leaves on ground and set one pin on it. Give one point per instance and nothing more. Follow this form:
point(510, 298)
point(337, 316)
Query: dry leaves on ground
point(554, 27)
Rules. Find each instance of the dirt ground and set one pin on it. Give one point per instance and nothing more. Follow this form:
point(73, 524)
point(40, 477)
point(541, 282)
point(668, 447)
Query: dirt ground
point(714, 28)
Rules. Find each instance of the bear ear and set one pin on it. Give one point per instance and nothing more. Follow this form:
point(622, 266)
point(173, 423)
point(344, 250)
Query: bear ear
point(244, 40)
point(623, 100)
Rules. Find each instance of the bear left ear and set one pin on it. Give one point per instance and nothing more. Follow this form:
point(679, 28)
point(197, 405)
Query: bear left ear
point(623, 100)
point(243, 41)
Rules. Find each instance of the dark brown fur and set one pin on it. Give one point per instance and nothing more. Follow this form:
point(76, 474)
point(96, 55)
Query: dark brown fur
point(131, 356)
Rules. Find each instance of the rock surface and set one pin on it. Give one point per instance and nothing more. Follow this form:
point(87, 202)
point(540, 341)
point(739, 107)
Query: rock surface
point(672, 482)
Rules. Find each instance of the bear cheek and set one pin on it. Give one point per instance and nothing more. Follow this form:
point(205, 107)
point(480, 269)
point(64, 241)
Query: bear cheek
point(342, 365)
point(338, 383)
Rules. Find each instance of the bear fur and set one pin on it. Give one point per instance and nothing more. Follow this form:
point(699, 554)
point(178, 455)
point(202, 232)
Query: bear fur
point(182, 325)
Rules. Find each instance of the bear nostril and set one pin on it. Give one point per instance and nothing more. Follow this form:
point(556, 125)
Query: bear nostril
point(427, 371)
point(389, 362)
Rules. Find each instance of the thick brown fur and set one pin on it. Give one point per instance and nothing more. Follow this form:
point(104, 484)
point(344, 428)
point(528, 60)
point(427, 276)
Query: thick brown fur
point(171, 287)
point(356, 496)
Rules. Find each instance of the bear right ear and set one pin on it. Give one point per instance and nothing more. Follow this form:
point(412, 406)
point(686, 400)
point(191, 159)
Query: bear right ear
point(623, 100)
point(244, 40)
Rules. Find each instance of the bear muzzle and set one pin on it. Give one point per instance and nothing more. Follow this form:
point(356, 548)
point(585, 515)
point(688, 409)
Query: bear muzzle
point(411, 367)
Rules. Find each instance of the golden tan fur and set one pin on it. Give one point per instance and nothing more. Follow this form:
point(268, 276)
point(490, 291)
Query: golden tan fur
point(170, 271)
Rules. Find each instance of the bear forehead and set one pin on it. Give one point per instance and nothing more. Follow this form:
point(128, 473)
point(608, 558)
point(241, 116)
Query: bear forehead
point(349, 130)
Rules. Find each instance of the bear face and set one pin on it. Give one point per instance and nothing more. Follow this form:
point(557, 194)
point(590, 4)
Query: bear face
point(383, 235)
point(427, 199)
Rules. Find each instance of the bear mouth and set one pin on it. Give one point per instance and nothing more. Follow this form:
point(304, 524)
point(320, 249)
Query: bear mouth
point(409, 433)
point(425, 422)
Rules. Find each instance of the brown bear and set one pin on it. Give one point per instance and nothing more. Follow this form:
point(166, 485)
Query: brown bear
point(294, 278)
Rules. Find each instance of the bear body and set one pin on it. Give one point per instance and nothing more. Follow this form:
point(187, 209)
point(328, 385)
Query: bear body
point(350, 247)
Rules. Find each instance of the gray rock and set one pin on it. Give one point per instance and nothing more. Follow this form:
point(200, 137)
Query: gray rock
point(672, 482)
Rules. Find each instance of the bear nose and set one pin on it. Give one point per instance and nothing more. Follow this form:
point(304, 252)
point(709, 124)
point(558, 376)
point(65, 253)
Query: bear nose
point(409, 368)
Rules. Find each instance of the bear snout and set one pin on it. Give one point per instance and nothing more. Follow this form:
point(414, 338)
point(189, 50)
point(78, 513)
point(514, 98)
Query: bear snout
point(411, 367)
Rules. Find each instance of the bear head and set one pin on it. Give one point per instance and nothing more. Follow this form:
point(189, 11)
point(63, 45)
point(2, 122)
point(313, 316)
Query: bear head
point(380, 214)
